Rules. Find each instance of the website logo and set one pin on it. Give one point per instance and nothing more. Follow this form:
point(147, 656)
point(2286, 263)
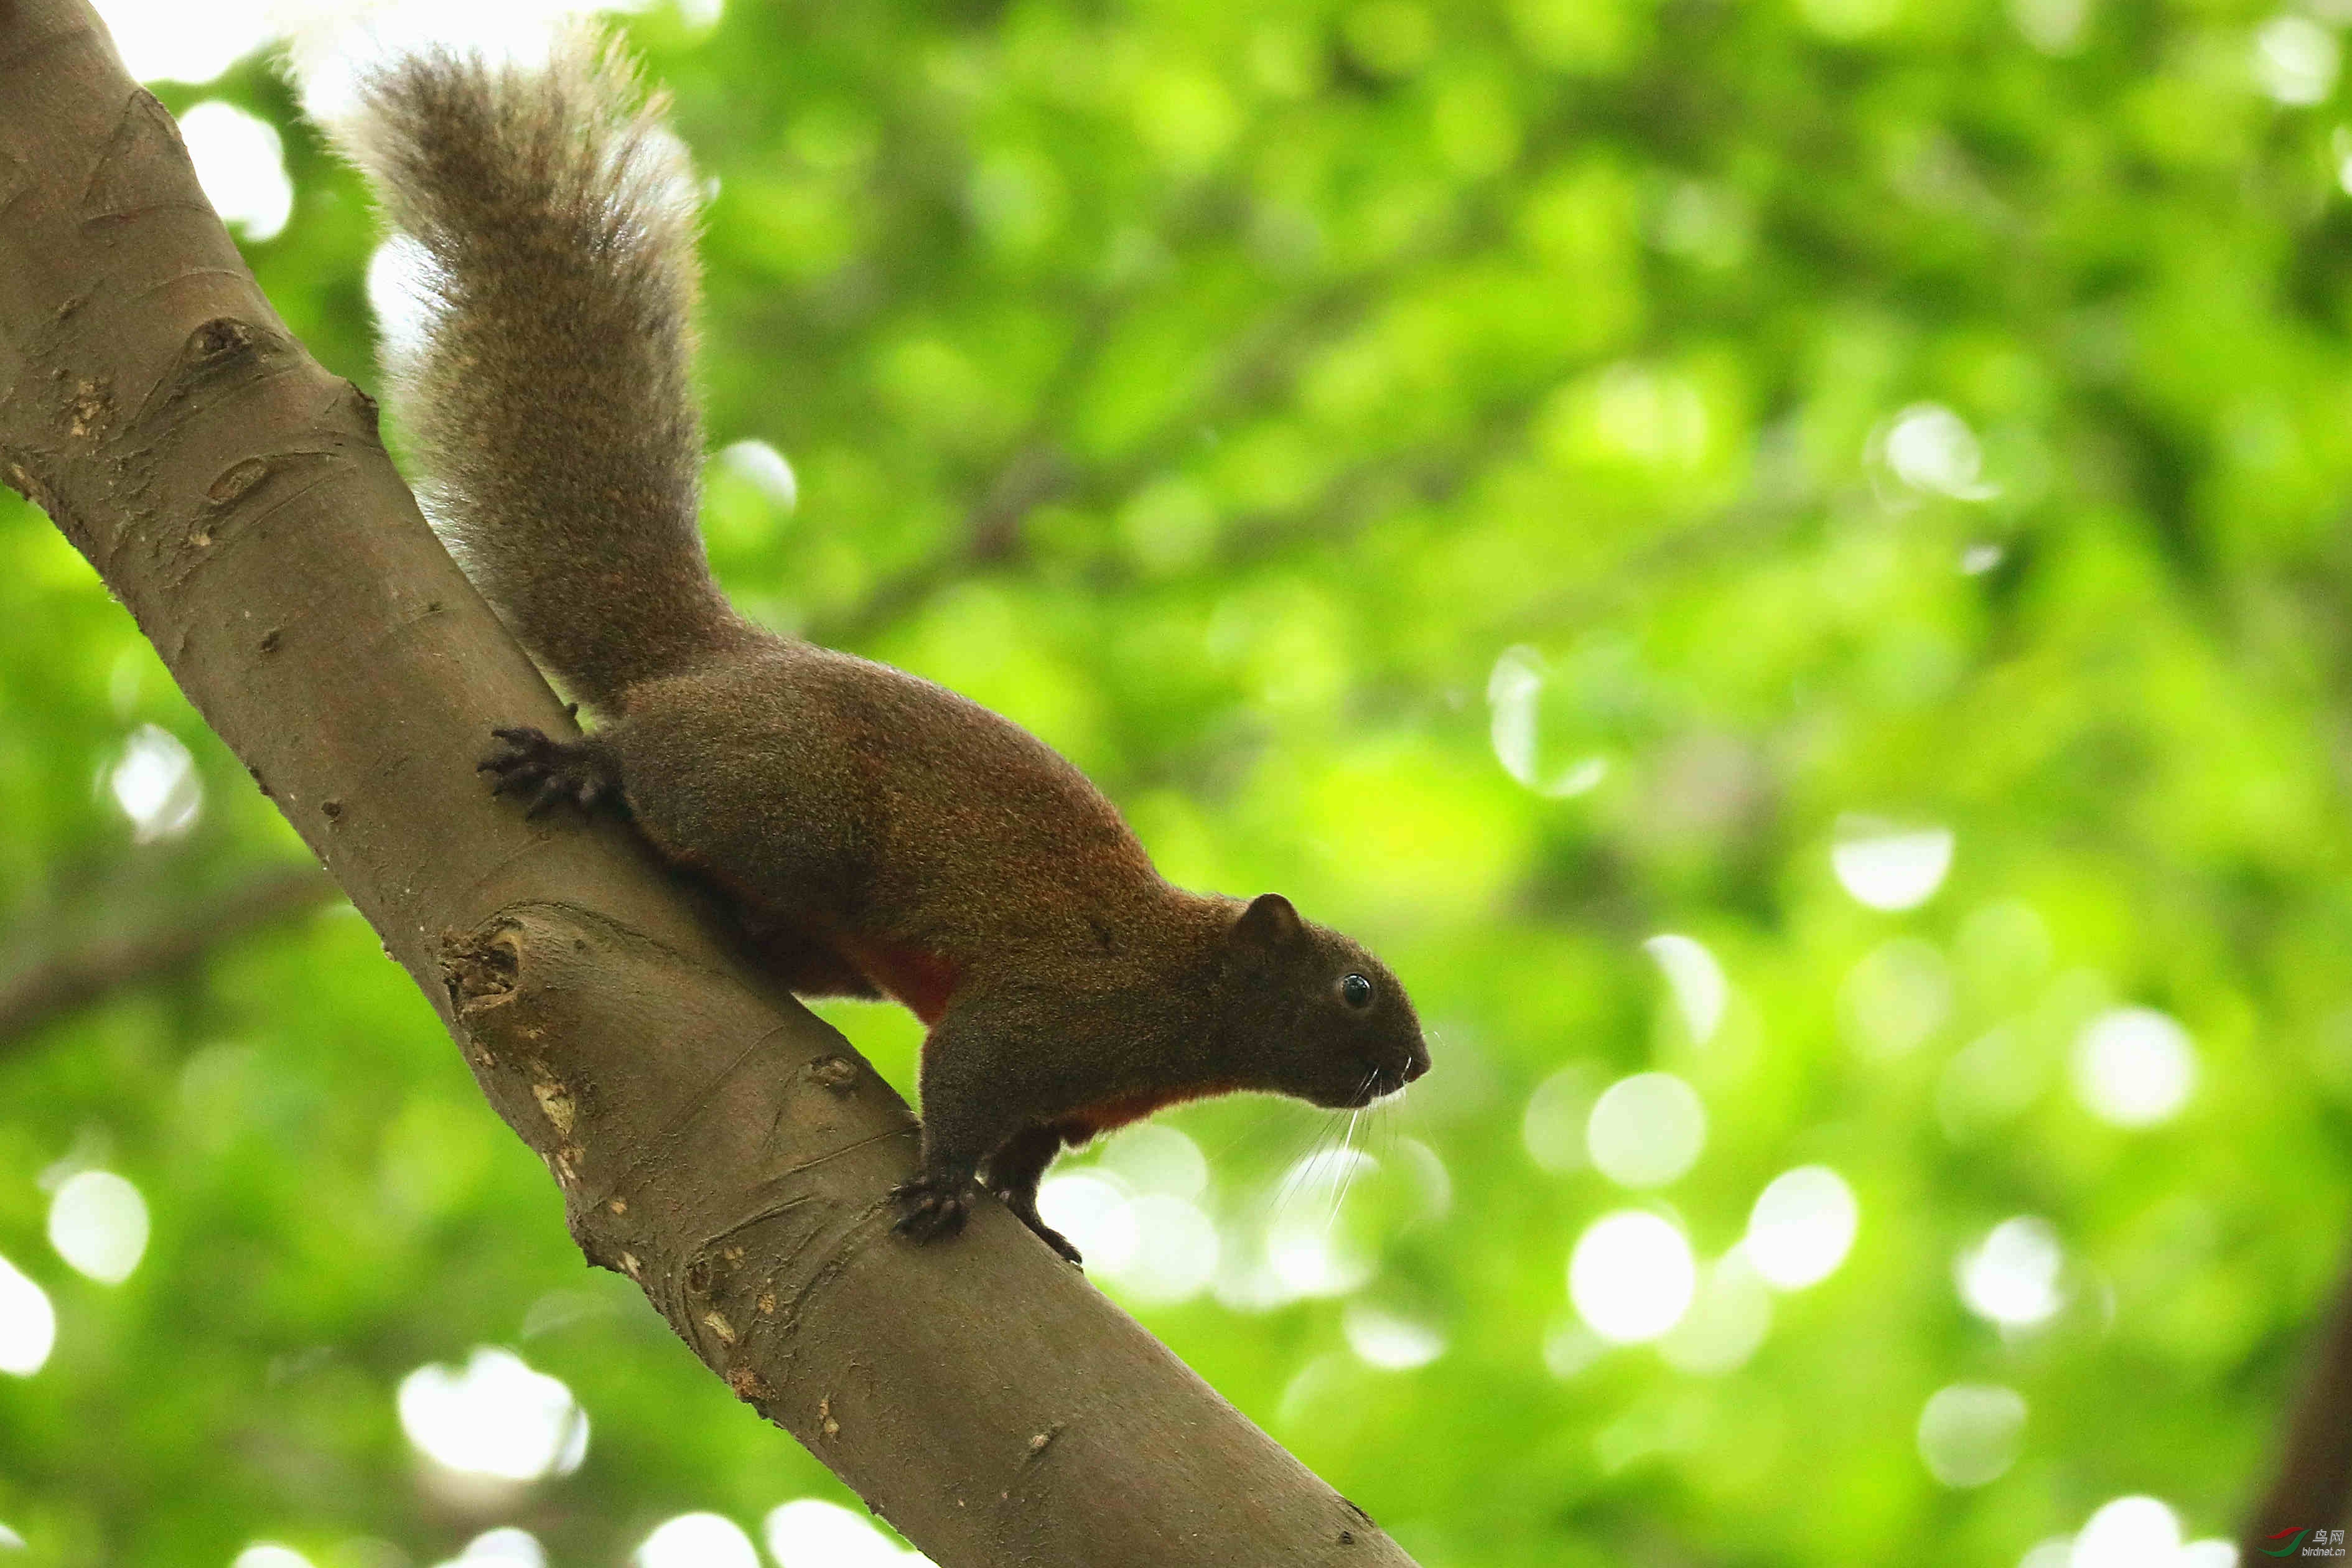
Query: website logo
point(2291, 1543)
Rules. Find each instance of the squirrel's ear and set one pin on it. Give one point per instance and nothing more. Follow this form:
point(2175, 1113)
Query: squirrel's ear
point(1269, 921)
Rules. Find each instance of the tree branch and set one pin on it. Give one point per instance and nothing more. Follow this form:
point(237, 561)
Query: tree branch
point(711, 1138)
point(2312, 1485)
point(57, 985)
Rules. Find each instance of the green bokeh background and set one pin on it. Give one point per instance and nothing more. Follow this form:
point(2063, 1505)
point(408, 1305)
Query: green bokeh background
point(1339, 351)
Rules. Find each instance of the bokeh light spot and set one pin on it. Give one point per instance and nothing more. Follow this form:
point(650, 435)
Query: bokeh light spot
point(1932, 448)
point(1646, 1130)
point(1306, 1247)
point(1728, 1320)
point(163, 40)
point(2051, 1552)
point(1801, 1227)
point(399, 295)
point(697, 1541)
point(154, 782)
point(1991, 1082)
point(809, 1532)
point(2011, 1278)
point(1169, 525)
point(1654, 417)
point(1553, 1127)
point(2134, 1067)
point(767, 470)
point(97, 1223)
point(496, 1416)
point(333, 45)
point(1388, 1340)
point(1969, 1432)
point(269, 1555)
point(1429, 1180)
point(28, 1324)
point(1888, 866)
point(2129, 1532)
point(241, 164)
point(506, 1547)
point(1570, 1348)
point(1175, 1252)
point(2054, 26)
point(1848, 19)
point(1152, 1157)
point(1630, 1276)
point(1898, 993)
point(1515, 689)
point(1093, 1212)
point(2296, 59)
point(1695, 979)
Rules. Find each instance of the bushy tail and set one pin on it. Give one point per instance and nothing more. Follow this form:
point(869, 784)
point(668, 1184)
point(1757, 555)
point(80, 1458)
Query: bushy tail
point(546, 386)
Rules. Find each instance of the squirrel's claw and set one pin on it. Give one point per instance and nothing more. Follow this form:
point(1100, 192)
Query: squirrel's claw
point(1026, 1209)
point(551, 771)
point(522, 758)
point(1057, 1241)
point(550, 790)
point(931, 1209)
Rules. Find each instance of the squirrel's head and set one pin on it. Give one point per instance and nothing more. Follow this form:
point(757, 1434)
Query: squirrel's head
point(1323, 1019)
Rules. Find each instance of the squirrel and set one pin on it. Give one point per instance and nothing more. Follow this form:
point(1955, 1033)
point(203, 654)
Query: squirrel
point(874, 835)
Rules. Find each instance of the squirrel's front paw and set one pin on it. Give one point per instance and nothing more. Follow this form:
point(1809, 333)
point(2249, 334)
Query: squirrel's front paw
point(580, 771)
point(929, 1209)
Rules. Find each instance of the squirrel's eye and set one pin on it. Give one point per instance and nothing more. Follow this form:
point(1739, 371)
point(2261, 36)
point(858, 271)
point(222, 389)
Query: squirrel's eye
point(1356, 991)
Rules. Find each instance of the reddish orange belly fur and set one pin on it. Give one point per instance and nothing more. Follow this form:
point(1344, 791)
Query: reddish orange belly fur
point(925, 982)
point(1094, 1121)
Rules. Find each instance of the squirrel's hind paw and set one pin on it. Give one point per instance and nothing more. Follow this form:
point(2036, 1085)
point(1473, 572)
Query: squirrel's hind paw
point(930, 1209)
point(1024, 1207)
point(1057, 1241)
point(580, 771)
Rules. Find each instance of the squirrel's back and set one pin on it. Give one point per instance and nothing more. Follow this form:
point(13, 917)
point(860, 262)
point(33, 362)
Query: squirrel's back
point(548, 393)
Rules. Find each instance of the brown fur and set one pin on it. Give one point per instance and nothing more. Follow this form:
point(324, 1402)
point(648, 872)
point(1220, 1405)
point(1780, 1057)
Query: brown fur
point(877, 834)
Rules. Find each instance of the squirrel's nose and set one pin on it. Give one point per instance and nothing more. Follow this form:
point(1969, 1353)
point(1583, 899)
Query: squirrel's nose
point(1418, 1065)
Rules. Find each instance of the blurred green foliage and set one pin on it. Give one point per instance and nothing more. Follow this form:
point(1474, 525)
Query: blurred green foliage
point(1515, 477)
